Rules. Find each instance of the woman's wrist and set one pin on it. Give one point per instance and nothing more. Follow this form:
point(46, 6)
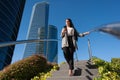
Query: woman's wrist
point(86, 33)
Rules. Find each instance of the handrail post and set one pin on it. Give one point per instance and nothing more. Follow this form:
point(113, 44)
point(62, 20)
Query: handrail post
point(89, 50)
point(76, 57)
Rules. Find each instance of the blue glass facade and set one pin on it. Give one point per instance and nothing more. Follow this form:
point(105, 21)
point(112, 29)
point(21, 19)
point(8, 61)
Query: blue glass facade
point(41, 46)
point(52, 46)
point(50, 51)
point(10, 18)
point(39, 18)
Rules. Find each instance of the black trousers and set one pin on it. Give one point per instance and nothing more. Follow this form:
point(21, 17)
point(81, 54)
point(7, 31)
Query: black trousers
point(69, 56)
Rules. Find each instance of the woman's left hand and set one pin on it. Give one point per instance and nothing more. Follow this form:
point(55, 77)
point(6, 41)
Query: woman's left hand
point(86, 33)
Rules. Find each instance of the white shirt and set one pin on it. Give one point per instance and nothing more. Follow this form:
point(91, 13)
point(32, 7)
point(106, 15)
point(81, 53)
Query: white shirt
point(70, 31)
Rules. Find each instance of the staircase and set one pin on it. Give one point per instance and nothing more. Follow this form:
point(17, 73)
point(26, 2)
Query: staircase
point(84, 70)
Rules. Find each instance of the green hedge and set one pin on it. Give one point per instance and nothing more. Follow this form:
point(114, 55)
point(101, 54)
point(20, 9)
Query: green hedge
point(115, 62)
point(25, 69)
point(107, 70)
point(97, 61)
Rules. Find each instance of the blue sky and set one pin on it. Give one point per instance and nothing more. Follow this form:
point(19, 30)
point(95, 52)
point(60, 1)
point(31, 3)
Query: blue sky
point(86, 15)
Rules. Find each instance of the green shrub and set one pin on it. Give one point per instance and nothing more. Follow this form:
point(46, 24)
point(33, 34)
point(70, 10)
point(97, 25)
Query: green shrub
point(108, 70)
point(115, 62)
point(98, 62)
point(24, 69)
point(44, 75)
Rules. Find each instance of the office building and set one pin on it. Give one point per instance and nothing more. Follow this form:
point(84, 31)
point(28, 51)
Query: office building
point(10, 17)
point(50, 51)
point(39, 18)
point(41, 46)
point(52, 46)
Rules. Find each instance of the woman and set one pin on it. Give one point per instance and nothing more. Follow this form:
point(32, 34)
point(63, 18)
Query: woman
point(69, 37)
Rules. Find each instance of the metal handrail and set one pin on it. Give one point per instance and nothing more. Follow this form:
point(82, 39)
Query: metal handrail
point(10, 43)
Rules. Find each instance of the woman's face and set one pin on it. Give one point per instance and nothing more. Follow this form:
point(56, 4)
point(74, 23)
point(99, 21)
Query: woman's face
point(67, 22)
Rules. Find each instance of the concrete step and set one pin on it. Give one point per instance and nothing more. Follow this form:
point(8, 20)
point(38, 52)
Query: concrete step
point(84, 70)
point(72, 78)
point(81, 64)
point(77, 72)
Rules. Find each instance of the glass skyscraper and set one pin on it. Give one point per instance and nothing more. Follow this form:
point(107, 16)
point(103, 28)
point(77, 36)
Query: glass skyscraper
point(41, 46)
point(52, 46)
point(50, 51)
point(10, 18)
point(39, 18)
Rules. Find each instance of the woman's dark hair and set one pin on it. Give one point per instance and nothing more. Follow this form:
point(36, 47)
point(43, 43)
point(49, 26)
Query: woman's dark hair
point(75, 31)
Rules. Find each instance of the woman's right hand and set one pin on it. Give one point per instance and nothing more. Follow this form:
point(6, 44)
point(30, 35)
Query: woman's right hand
point(65, 30)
